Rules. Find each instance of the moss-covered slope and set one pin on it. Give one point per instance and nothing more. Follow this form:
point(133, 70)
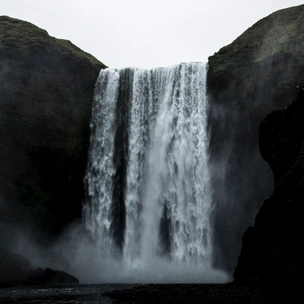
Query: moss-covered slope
point(46, 89)
point(256, 73)
point(267, 58)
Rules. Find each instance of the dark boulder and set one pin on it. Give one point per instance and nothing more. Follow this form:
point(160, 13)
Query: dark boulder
point(46, 90)
point(50, 276)
point(255, 74)
point(16, 269)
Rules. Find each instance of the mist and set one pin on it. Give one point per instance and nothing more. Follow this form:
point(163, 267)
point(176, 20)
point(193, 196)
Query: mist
point(80, 255)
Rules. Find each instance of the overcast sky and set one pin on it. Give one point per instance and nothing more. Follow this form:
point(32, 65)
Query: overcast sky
point(144, 33)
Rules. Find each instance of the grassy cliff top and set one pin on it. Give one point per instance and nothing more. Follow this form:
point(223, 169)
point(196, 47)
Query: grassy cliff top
point(15, 32)
point(270, 35)
point(261, 53)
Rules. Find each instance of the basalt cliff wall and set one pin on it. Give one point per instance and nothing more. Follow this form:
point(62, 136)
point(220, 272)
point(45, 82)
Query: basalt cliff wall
point(46, 91)
point(256, 73)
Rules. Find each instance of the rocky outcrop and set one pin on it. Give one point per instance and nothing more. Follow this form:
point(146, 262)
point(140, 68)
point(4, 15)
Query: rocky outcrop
point(15, 269)
point(50, 276)
point(255, 74)
point(272, 249)
point(46, 90)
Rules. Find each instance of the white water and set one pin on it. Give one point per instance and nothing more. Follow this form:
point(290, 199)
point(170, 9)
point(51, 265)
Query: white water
point(167, 233)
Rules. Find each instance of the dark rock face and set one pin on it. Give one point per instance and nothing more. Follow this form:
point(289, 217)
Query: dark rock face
point(255, 74)
point(272, 249)
point(46, 90)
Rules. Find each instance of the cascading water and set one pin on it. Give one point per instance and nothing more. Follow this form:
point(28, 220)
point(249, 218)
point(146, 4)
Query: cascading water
point(148, 204)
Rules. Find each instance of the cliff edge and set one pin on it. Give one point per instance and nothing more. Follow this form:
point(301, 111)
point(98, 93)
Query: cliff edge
point(46, 91)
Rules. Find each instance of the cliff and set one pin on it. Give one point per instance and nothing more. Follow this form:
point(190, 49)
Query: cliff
point(272, 249)
point(46, 95)
point(45, 109)
point(256, 73)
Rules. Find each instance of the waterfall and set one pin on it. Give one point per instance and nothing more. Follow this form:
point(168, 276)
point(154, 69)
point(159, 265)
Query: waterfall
point(148, 206)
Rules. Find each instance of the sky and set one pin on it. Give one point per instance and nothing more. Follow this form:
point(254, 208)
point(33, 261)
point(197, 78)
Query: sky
point(142, 33)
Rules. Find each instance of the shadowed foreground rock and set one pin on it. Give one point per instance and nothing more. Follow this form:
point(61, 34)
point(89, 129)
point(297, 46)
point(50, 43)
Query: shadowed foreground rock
point(50, 276)
point(272, 252)
point(15, 270)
